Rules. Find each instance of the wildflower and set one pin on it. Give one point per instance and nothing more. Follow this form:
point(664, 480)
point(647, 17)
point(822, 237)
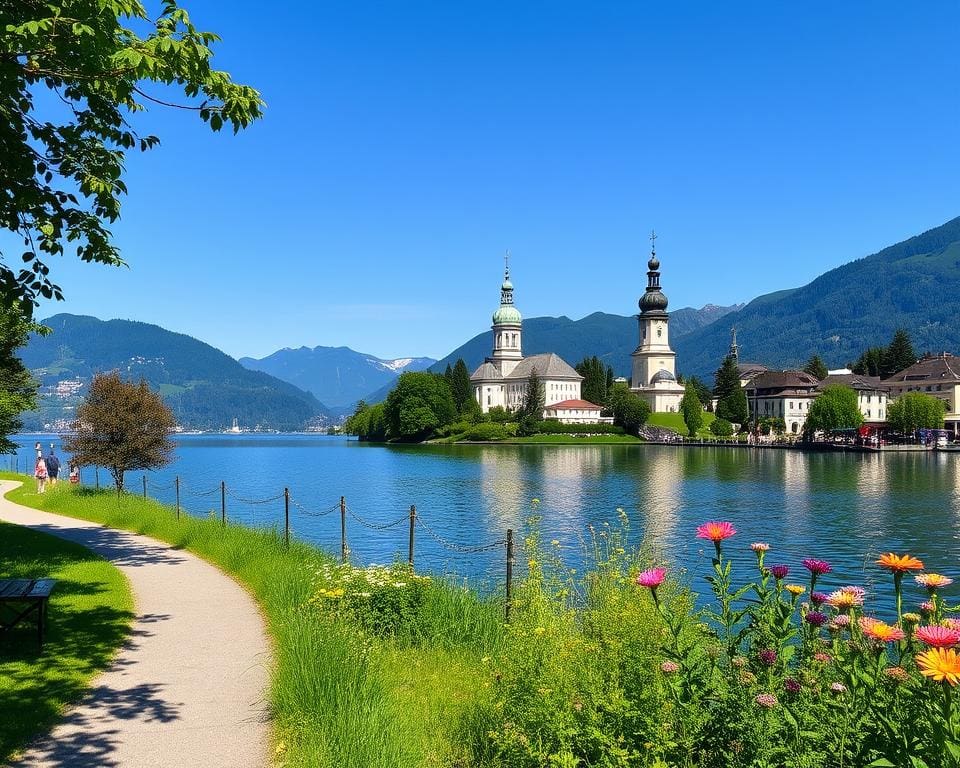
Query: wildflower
point(739, 661)
point(539, 630)
point(818, 598)
point(940, 664)
point(899, 563)
point(815, 618)
point(838, 688)
point(792, 685)
point(768, 656)
point(879, 631)
point(715, 531)
point(926, 607)
point(555, 542)
point(747, 677)
point(779, 571)
point(531, 564)
point(534, 501)
point(651, 578)
point(842, 621)
point(897, 674)
point(759, 546)
point(795, 589)
point(823, 658)
point(817, 567)
point(669, 667)
point(845, 598)
point(766, 700)
point(951, 623)
point(933, 581)
point(911, 618)
point(938, 637)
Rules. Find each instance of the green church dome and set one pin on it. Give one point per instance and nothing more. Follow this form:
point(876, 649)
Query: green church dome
point(507, 315)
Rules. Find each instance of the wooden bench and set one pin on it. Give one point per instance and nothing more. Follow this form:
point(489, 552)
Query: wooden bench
point(23, 597)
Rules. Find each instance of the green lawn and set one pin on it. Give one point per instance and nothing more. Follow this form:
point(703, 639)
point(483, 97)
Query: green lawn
point(573, 440)
point(674, 421)
point(339, 698)
point(89, 615)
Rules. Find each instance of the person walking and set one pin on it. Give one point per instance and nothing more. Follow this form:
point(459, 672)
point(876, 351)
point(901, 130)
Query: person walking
point(40, 472)
point(53, 466)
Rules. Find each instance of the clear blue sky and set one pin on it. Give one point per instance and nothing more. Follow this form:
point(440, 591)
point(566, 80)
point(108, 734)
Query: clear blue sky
point(406, 145)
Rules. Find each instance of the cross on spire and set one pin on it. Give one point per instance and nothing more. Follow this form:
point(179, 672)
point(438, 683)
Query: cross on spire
point(506, 264)
point(653, 241)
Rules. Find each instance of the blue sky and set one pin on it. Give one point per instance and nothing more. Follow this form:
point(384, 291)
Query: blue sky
point(407, 145)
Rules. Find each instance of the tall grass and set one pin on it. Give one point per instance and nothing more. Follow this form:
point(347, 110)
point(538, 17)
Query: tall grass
point(339, 697)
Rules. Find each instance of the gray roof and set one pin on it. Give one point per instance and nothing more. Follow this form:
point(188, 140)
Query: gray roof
point(783, 383)
point(932, 368)
point(549, 366)
point(485, 372)
point(854, 381)
point(662, 375)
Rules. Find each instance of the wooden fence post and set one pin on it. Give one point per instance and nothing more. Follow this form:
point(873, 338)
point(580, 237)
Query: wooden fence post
point(413, 520)
point(223, 503)
point(176, 484)
point(144, 486)
point(343, 530)
point(96, 472)
point(509, 573)
point(286, 516)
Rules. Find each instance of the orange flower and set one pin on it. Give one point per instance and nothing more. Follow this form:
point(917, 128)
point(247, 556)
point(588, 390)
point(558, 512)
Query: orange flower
point(940, 664)
point(899, 563)
point(877, 630)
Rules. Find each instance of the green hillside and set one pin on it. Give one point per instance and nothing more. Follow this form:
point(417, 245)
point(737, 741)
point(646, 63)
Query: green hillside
point(206, 388)
point(914, 285)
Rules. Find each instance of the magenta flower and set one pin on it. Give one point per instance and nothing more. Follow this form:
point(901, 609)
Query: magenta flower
point(815, 618)
point(792, 685)
point(817, 567)
point(716, 531)
point(779, 571)
point(937, 636)
point(651, 578)
point(768, 656)
point(818, 598)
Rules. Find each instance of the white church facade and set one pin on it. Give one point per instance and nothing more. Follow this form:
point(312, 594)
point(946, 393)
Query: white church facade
point(502, 378)
point(654, 376)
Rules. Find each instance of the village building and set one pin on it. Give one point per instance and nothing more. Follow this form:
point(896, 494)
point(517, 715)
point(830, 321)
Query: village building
point(934, 375)
point(654, 363)
point(871, 394)
point(785, 395)
point(503, 377)
point(576, 412)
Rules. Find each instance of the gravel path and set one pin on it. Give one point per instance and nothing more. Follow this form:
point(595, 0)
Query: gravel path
point(188, 688)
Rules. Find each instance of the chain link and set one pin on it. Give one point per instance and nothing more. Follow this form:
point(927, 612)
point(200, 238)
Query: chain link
point(375, 526)
point(453, 546)
point(242, 500)
point(310, 512)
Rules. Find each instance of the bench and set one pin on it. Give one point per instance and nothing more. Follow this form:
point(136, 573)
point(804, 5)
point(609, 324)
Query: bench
point(22, 597)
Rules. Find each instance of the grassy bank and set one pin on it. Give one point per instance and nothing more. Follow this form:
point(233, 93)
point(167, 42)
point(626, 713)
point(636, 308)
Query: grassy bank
point(90, 613)
point(674, 421)
point(573, 440)
point(343, 693)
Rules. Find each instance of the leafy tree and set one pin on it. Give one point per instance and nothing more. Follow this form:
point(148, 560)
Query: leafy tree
point(816, 368)
point(367, 422)
point(870, 362)
point(121, 426)
point(420, 403)
point(597, 379)
point(18, 390)
point(836, 407)
point(704, 393)
point(72, 72)
point(734, 407)
point(915, 410)
point(629, 411)
point(898, 355)
point(691, 409)
point(721, 427)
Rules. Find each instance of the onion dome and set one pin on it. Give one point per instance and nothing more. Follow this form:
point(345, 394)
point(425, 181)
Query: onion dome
point(653, 301)
point(662, 375)
point(507, 314)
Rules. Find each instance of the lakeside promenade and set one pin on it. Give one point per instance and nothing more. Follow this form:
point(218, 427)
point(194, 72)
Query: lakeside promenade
point(189, 687)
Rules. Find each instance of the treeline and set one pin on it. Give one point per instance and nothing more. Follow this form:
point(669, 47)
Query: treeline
point(888, 360)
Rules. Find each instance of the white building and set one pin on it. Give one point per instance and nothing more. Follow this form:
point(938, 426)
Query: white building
point(576, 412)
point(871, 394)
point(654, 362)
point(502, 379)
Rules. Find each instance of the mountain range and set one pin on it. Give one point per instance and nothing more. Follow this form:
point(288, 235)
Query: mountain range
point(205, 388)
point(337, 376)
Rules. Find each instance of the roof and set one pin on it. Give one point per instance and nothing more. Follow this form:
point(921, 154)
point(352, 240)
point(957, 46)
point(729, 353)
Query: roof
point(662, 375)
point(786, 382)
point(942, 367)
point(743, 368)
point(854, 381)
point(548, 365)
point(486, 371)
point(570, 404)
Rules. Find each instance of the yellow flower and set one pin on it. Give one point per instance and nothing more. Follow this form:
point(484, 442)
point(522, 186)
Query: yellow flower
point(940, 664)
point(539, 630)
point(795, 589)
point(531, 564)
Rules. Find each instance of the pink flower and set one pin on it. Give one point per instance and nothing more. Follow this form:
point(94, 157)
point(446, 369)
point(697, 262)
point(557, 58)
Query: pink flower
point(792, 685)
point(938, 637)
point(817, 567)
point(823, 658)
point(768, 656)
point(779, 571)
point(815, 618)
point(926, 607)
point(933, 581)
point(716, 531)
point(838, 688)
point(766, 700)
point(952, 623)
point(651, 578)
point(669, 667)
point(846, 597)
point(759, 546)
point(842, 621)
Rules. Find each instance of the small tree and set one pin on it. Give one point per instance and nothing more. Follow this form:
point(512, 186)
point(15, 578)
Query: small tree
point(534, 399)
point(721, 427)
point(629, 411)
point(461, 389)
point(121, 426)
point(915, 410)
point(816, 368)
point(726, 379)
point(734, 407)
point(836, 407)
point(704, 393)
point(692, 409)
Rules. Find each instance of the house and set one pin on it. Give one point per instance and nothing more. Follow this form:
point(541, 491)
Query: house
point(576, 412)
point(871, 394)
point(782, 394)
point(934, 375)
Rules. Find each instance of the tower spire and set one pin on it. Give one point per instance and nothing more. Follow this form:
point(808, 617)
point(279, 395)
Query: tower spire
point(653, 242)
point(506, 265)
point(734, 347)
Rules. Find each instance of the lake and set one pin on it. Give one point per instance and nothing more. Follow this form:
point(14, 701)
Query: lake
point(844, 508)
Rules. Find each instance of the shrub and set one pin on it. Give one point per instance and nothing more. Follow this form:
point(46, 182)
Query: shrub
point(553, 427)
point(487, 431)
point(721, 428)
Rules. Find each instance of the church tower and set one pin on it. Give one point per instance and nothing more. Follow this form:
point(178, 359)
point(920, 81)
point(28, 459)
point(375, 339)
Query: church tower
point(506, 327)
point(654, 362)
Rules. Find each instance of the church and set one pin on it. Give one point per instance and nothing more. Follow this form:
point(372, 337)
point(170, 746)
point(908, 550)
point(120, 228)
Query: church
point(654, 362)
point(502, 378)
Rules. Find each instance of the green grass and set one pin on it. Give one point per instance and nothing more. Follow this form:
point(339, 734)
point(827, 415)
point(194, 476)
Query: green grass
point(573, 440)
point(674, 421)
point(89, 616)
point(339, 697)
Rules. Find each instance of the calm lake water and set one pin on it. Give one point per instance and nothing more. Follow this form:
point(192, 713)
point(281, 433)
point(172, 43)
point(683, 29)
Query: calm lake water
point(845, 508)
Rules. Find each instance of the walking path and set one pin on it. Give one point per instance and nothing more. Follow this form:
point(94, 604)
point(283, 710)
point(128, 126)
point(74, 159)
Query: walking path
point(188, 688)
